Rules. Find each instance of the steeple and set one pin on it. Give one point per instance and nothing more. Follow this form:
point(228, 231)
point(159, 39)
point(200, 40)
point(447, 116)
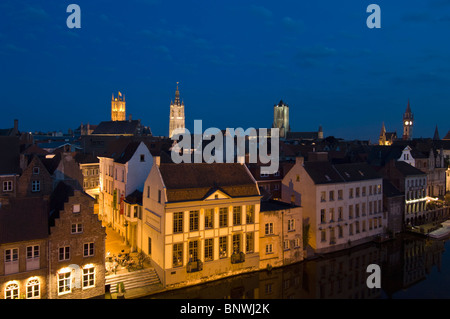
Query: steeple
point(176, 118)
point(408, 122)
point(436, 134)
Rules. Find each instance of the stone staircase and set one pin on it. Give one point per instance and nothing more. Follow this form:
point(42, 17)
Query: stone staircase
point(133, 279)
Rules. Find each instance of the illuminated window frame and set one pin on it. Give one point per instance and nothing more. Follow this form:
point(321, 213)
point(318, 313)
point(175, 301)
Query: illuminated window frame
point(64, 282)
point(88, 276)
point(12, 290)
point(33, 289)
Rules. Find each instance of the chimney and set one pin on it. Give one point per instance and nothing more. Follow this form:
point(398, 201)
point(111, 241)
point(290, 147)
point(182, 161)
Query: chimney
point(299, 160)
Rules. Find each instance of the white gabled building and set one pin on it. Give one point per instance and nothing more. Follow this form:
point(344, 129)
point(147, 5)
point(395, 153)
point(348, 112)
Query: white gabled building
point(342, 203)
point(123, 170)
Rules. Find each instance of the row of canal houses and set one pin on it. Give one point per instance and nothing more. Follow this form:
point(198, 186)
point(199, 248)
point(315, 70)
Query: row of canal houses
point(196, 221)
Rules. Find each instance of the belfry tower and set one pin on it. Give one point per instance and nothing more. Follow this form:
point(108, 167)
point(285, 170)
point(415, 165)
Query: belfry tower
point(408, 122)
point(118, 108)
point(281, 118)
point(176, 114)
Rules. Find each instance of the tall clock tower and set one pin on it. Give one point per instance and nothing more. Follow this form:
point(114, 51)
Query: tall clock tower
point(408, 122)
point(176, 114)
point(118, 108)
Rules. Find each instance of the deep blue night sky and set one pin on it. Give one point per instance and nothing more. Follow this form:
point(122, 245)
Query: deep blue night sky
point(234, 60)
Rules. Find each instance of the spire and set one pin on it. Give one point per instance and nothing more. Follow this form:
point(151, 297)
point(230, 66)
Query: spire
point(436, 134)
point(408, 108)
point(177, 96)
point(383, 129)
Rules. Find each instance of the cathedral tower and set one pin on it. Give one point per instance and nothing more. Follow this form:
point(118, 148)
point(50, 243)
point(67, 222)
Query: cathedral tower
point(176, 114)
point(408, 122)
point(118, 108)
point(281, 118)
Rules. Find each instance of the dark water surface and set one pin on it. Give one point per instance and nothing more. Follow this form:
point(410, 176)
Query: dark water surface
point(411, 267)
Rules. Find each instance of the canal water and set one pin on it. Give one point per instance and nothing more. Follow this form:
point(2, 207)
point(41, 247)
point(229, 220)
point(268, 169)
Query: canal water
point(412, 267)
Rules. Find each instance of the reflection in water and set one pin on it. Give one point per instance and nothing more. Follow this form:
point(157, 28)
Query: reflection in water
point(404, 262)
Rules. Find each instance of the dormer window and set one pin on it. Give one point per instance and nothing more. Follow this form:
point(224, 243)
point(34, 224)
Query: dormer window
point(142, 158)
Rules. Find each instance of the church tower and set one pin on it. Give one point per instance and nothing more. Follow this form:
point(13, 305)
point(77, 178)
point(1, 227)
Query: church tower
point(281, 118)
point(382, 138)
point(408, 122)
point(118, 108)
point(176, 114)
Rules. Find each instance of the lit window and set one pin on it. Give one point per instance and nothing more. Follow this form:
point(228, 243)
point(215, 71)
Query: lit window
point(12, 291)
point(88, 277)
point(33, 289)
point(64, 279)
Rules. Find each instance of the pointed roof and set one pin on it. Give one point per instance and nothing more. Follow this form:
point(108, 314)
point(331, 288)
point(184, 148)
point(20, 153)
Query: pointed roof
point(436, 134)
point(177, 96)
point(383, 130)
point(408, 108)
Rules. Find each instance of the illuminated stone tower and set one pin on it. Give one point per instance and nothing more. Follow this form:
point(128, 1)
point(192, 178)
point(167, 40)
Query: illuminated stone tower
point(408, 122)
point(118, 108)
point(281, 118)
point(176, 114)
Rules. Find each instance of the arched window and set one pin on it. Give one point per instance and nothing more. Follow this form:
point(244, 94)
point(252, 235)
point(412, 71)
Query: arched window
point(33, 289)
point(12, 291)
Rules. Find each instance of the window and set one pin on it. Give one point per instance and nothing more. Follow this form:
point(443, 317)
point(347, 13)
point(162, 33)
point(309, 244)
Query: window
point(223, 247)
point(350, 195)
point(209, 218)
point(148, 191)
point(209, 249)
point(340, 194)
point(76, 208)
point(364, 191)
point(64, 253)
point(33, 289)
point(357, 210)
point(177, 255)
point(286, 244)
point(88, 277)
point(142, 158)
point(350, 211)
point(297, 242)
point(77, 228)
point(7, 186)
point(332, 214)
point(64, 280)
point(178, 222)
point(323, 235)
point(331, 195)
point(237, 215)
point(33, 252)
point(88, 250)
point(159, 196)
point(11, 255)
point(291, 225)
point(322, 216)
point(322, 196)
point(340, 231)
point(268, 229)
point(269, 249)
point(357, 191)
point(340, 213)
point(193, 250)
point(223, 217)
point(12, 291)
point(36, 170)
point(250, 214)
point(250, 242)
point(35, 186)
point(297, 178)
point(236, 243)
point(193, 220)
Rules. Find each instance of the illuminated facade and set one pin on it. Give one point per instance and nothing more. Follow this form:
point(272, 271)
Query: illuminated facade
point(122, 171)
point(118, 110)
point(281, 118)
point(201, 221)
point(341, 203)
point(76, 246)
point(386, 138)
point(177, 118)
